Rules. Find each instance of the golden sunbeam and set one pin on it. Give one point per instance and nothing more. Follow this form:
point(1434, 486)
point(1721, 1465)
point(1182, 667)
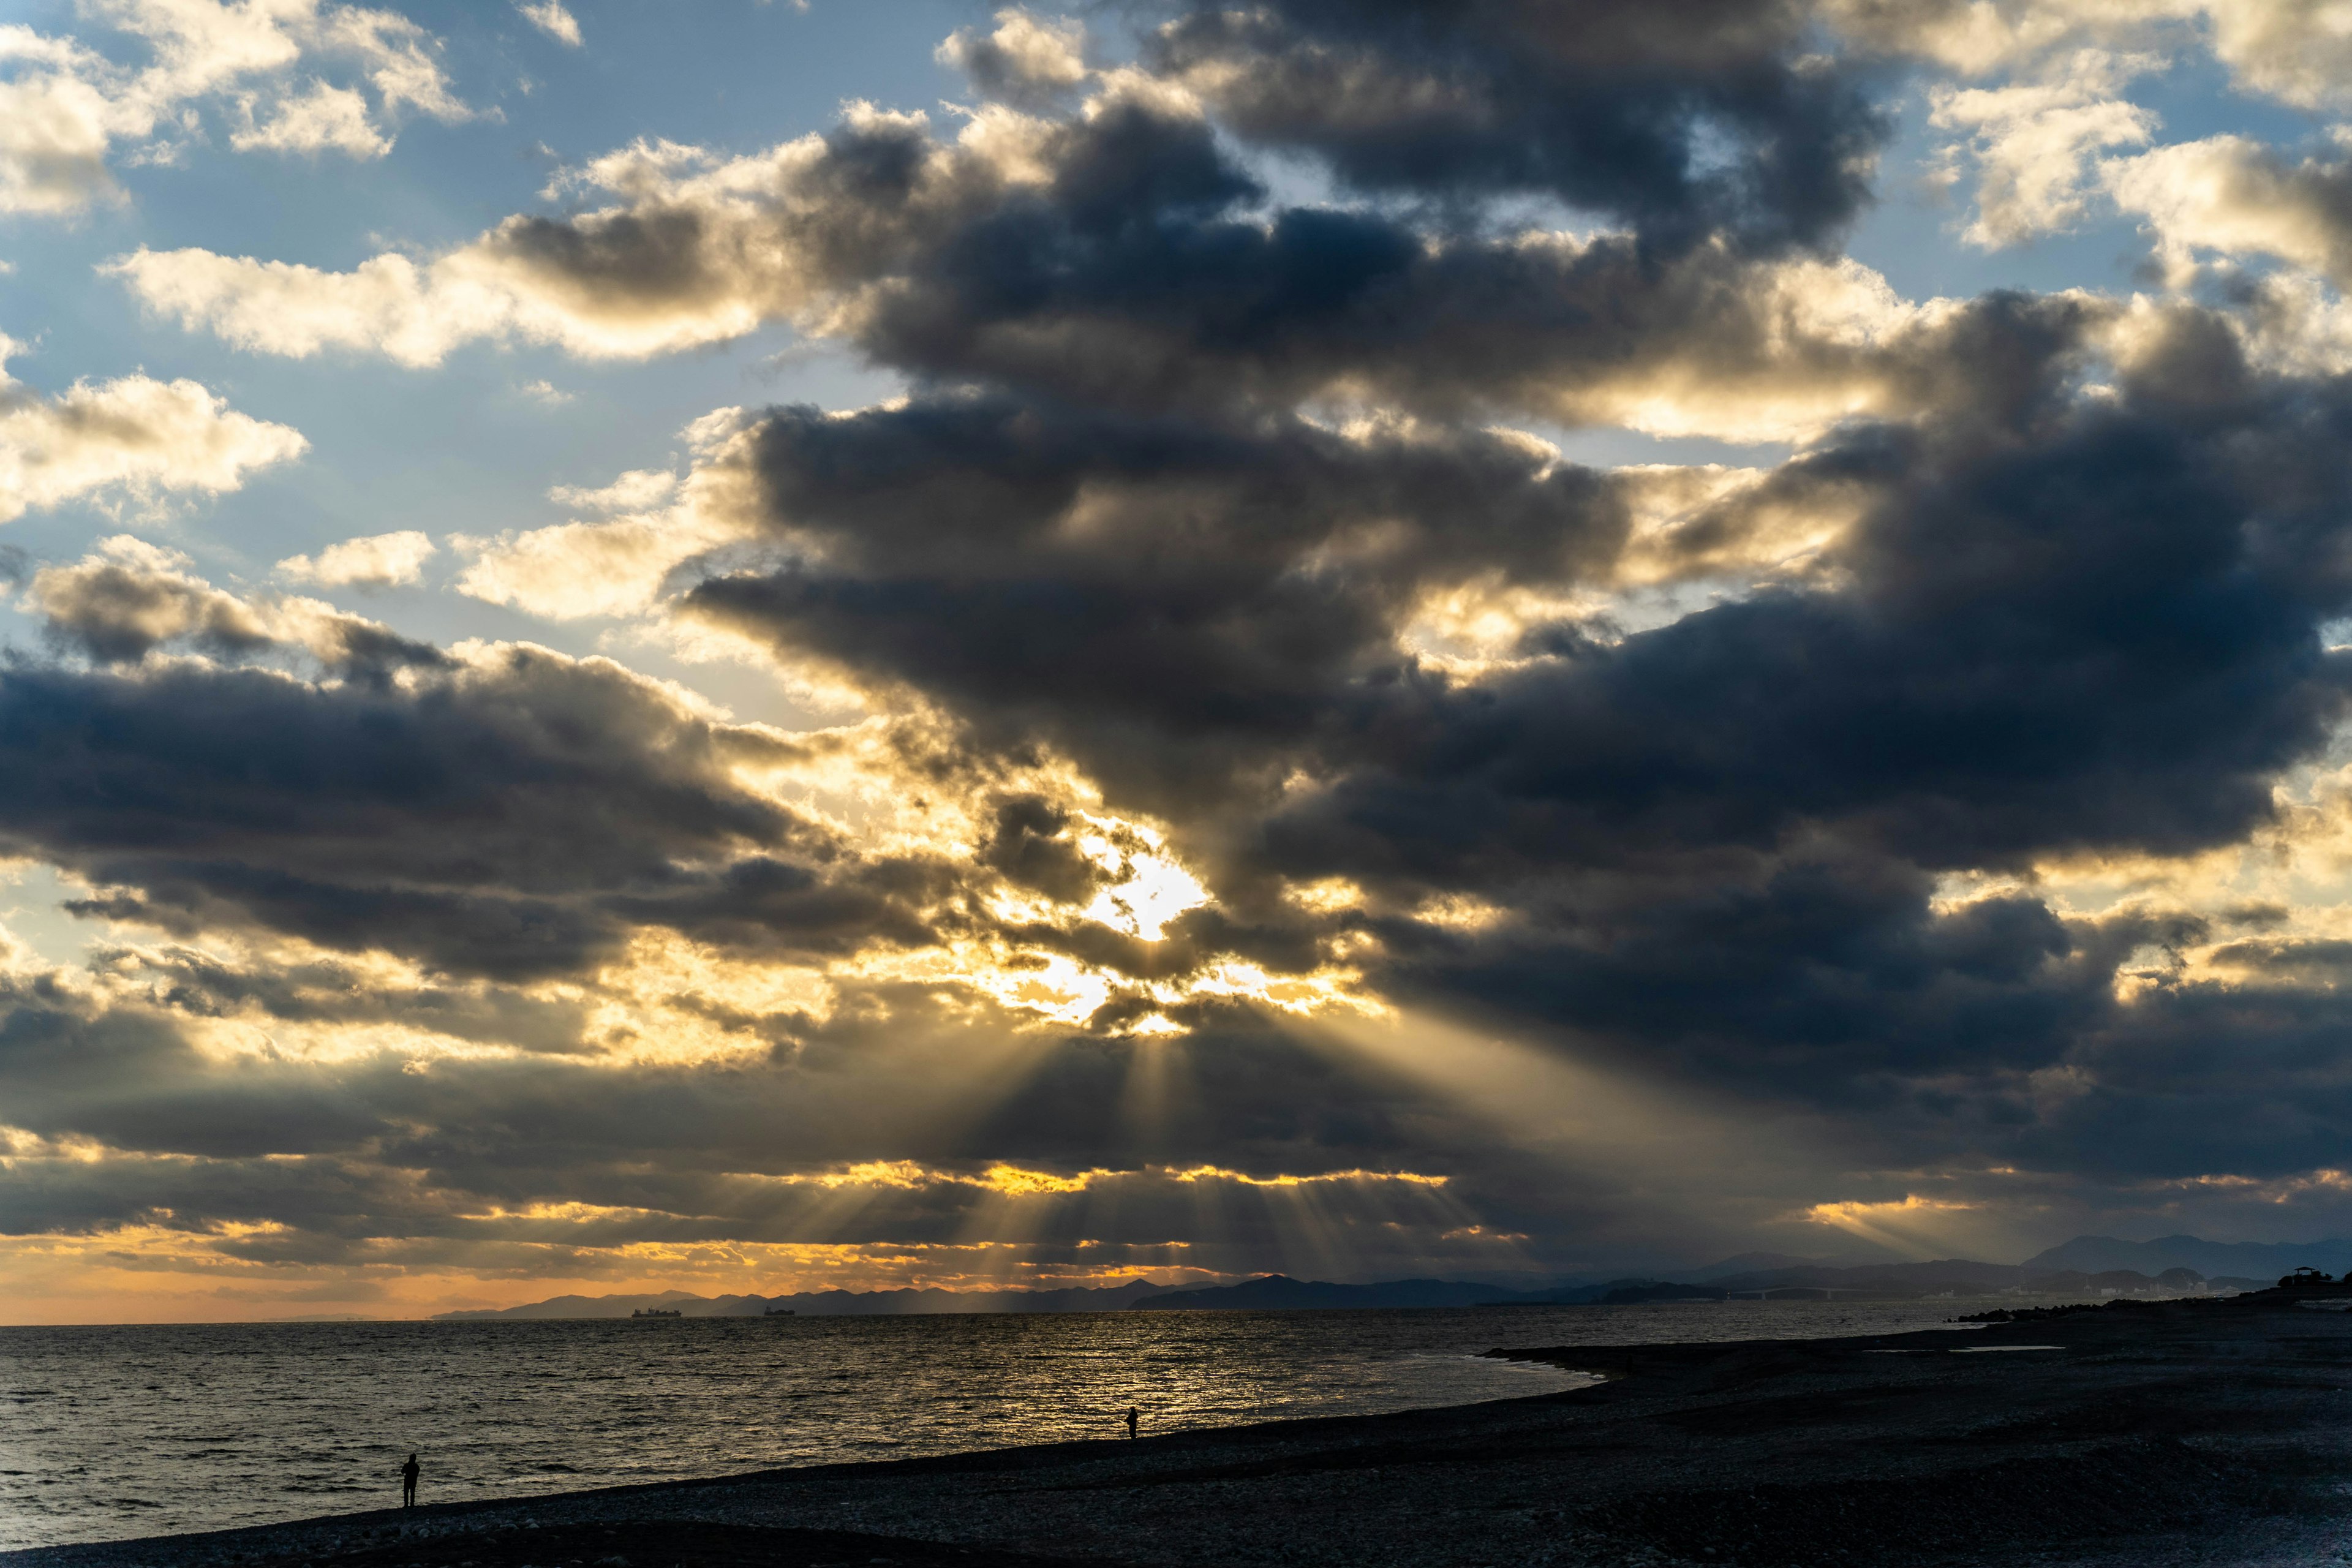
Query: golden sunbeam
point(1673, 1151)
point(1915, 1226)
point(1544, 1100)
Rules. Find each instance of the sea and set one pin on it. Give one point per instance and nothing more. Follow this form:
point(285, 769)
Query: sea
point(118, 1432)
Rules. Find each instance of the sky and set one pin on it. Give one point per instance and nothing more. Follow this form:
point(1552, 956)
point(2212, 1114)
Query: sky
point(751, 647)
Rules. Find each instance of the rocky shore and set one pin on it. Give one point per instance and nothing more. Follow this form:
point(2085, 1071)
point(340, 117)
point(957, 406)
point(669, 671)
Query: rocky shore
point(2143, 1435)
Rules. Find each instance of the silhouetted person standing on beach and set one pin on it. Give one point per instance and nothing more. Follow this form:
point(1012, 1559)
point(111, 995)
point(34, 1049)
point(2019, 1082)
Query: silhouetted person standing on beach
point(408, 1483)
point(1132, 1418)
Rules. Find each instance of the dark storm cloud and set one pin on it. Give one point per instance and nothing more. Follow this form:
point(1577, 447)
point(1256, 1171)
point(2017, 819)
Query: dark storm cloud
point(1685, 118)
point(760, 905)
point(198, 983)
point(2264, 1063)
point(2048, 629)
point(2055, 627)
point(1316, 303)
point(2102, 638)
point(1144, 275)
point(2088, 643)
point(1033, 846)
point(1123, 256)
point(117, 611)
point(127, 1077)
point(200, 1196)
point(1166, 583)
point(1821, 976)
point(479, 819)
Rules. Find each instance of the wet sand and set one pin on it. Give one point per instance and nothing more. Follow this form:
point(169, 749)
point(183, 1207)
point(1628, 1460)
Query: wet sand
point(2151, 1435)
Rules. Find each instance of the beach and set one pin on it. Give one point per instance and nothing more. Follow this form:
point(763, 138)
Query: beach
point(2148, 1434)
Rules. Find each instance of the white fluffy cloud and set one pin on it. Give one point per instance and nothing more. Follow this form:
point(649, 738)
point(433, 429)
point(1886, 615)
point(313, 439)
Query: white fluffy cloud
point(326, 118)
point(2239, 197)
point(65, 107)
point(381, 560)
point(133, 437)
point(633, 492)
point(54, 127)
point(2298, 51)
point(2046, 149)
point(1026, 59)
point(617, 567)
point(2033, 142)
point(552, 18)
point(387, 304)
point(698, 251)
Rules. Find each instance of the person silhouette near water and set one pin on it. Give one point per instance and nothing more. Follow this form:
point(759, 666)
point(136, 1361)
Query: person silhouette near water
point(1132, 1418)
point(408, 1483)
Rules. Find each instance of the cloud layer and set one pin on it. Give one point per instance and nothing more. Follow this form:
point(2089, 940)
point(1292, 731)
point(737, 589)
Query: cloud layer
point(1262, 800)
point(67, 107)
point(131, 438)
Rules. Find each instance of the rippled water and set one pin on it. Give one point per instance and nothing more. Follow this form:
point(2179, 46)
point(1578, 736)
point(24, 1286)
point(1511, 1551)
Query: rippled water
point(107, 1433)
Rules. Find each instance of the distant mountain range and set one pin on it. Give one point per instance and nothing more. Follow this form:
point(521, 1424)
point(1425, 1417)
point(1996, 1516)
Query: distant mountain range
point(827, 1303)
point(2087, 1263)
point(1271, 1292)
point(2260, 1259)
point(1881, 1281)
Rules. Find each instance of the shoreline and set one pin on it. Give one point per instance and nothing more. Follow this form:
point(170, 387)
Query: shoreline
point(2187, 1432)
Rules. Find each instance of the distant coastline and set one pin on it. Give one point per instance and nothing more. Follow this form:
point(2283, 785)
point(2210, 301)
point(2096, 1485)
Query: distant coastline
point(2087, 1268)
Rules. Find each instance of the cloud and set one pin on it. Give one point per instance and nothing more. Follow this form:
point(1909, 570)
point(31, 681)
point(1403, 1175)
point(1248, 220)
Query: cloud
point(333, 866)
point(380, 560)
point(552, 18)
point(578, 569)
point(326, 117)
point(2239, 197)
point(698, 251)
point(1165, 285)
point(133, 437)
point(1026, 61)
point(1707, 119)
point(618, 566)
point(633, 492)
point(2034, 144)
point(54, 127)
point(296, 311)
point(1685, 823)
point(301, 1160)
point(66, 109)
point(129, 598)
point(2296, 53)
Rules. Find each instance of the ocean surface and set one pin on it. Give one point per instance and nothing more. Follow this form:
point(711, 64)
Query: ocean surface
point(109, 1433)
